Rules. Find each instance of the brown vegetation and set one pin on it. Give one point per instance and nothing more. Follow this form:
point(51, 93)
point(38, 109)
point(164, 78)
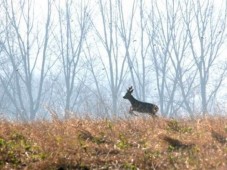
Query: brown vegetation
point(143, 143)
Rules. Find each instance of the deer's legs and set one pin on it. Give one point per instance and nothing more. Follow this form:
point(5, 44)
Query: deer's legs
point(154, 116)
point(131, 111)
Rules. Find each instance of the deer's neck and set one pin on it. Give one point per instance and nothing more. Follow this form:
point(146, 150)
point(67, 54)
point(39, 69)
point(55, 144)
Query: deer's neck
point(132, 100)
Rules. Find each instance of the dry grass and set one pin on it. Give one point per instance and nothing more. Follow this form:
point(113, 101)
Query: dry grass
point(114, 144)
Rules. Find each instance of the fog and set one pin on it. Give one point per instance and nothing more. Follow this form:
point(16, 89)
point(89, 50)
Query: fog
point(70, 58)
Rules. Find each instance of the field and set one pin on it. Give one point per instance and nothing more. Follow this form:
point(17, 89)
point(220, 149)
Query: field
point(136, 143)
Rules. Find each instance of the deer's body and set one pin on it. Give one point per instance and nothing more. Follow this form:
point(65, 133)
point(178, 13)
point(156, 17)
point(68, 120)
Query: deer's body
point(139, 106)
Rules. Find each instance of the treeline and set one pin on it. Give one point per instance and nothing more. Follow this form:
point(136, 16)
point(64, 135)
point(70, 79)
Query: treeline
point(79, 57)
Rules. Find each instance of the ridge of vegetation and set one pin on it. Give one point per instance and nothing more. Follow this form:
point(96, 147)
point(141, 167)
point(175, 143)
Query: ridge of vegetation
point(137, 143)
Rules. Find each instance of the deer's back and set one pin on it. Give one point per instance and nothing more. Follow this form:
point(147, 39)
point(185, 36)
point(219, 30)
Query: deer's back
point(145, 107)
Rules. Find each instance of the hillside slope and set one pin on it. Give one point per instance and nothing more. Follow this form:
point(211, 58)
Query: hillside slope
point(114, 144)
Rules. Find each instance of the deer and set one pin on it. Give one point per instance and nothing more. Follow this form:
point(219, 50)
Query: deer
point(139, 106)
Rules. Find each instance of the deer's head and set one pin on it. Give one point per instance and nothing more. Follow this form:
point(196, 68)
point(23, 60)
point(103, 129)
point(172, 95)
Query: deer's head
point(128, 93)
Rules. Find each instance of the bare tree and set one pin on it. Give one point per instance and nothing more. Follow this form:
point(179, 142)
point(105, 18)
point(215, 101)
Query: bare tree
point(207, 32)
point(159, 33)
point(74, 23)
point(126, 34)
point(182, 65)
point(26, 48)
point(113, 61)
point(185, 40)
point(95, 86)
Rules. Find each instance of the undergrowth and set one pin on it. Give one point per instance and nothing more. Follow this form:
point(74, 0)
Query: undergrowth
point(136, 143)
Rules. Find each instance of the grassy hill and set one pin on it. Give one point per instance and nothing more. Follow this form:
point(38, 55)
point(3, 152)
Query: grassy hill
point(115, 144)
